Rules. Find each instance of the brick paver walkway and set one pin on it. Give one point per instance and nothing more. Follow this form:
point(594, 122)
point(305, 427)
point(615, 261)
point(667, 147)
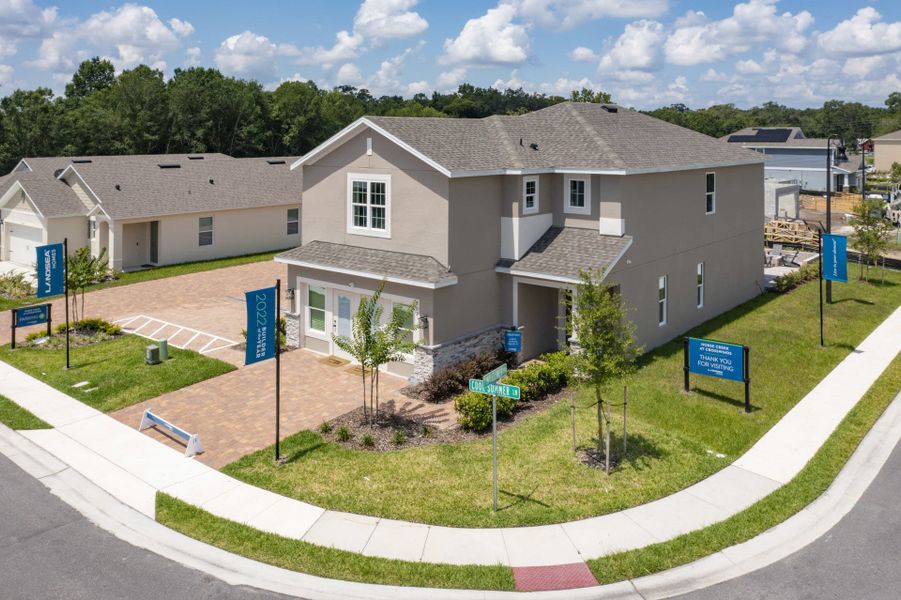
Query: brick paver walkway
point(235, 413)
point(211, 301)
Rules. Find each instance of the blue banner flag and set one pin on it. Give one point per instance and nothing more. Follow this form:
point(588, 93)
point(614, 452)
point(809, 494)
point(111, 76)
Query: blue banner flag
point(50, 267)
point(835, 257)
point(31, 315)
point(716, 359)
point(261, 333)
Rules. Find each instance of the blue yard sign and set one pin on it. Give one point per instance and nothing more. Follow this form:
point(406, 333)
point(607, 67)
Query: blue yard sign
point(716, 359)
point(50, 265)
point(31, 315)
point(261, 333)
point(835, 257)
point(513, 340)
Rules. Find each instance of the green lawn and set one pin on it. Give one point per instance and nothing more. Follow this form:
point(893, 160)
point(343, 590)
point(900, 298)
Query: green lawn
point(116, 368)
point(15, 417)
point(674, 437)
point(158, 273)
point(319, 560)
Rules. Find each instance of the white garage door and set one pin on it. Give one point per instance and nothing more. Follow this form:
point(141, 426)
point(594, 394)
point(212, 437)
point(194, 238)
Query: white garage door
point(22, 242)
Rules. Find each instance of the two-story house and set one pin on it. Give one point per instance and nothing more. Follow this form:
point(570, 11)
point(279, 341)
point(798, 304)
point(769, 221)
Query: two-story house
point(487, 223)
point(790, 156)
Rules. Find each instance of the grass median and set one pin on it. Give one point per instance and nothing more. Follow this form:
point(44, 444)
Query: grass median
point(308, 558)
point(15, 417)
point(675, 439)
point(114, 370)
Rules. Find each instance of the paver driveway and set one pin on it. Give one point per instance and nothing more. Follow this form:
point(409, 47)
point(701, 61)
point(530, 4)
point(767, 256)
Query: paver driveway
point(210, 301)
point(235, 413)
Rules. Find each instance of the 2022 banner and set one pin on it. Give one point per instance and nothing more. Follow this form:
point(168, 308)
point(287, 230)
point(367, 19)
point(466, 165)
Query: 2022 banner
point(261, 334)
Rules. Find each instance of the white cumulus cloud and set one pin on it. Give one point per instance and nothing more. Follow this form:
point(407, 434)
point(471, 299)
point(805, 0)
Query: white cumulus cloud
point(247, 55)
point(387, 19)
point(862, 34)
point(566, 14)
point(492, 39)
point(638, 48)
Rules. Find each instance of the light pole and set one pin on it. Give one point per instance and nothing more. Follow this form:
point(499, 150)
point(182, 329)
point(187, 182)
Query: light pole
point(829, 201)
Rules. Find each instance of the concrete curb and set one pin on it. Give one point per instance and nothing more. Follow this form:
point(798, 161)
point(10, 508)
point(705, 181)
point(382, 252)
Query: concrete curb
point(140, 530)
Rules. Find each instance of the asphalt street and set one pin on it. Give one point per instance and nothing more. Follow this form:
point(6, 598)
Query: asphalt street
point(860, 558)
point(48, 550)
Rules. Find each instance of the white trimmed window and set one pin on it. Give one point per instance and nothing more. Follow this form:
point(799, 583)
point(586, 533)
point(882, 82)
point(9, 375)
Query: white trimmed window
point(369, 204)
point(92, 229)
point(293, 221)
point(661, 301)
point(700, 284)
point(410, 326)
point(529, 195)
point(316, 309)
point(577, 195)
point(205, 231)
point(710, 196)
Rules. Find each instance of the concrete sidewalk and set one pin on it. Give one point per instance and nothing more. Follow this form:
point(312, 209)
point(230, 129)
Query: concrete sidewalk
point(132, 467)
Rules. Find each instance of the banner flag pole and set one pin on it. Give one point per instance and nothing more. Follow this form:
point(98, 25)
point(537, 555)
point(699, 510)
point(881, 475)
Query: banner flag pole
point(820, 249)
point(66, 287)
point(278, 352)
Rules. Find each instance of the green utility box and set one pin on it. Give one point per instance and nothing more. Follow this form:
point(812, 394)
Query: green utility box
point(164, 350)
point(152, 355)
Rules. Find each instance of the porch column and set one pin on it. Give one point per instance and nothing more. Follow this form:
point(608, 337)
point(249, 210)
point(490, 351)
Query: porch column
point(574, 335)
point(515, 302)
point(115, 245)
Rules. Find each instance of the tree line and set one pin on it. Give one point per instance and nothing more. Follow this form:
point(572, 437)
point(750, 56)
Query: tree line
point(201, 110)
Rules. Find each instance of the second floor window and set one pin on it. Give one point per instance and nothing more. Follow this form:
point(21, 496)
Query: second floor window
point(577, 195)
point(530, 195)
point(293, 221)
point(710, 199)
point(205, 231)
point(369, 205)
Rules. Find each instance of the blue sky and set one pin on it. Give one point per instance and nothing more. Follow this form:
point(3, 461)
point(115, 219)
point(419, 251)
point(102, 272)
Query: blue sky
point(647, 53)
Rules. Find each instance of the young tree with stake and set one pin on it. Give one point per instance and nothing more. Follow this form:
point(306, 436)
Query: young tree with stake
point(606, 345)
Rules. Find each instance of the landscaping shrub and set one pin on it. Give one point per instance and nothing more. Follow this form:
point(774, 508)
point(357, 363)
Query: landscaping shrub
point(475, 410)
point(398, 438)
point(343, 434)
point(35, 335)
point(793, 279)
point(368, 441)
point(325, 427)
point(90, 327)
point(454, 379)
point(15, 287)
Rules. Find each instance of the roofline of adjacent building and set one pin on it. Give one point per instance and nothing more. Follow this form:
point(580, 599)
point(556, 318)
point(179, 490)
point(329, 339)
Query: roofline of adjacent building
point(362, 122)
point(447, 281)
point(833, 168)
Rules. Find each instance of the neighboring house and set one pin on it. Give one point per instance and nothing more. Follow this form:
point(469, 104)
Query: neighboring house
point(486, 224)
point(150, 210)
point(791, 156)
point(887, 150)
point(782, 199)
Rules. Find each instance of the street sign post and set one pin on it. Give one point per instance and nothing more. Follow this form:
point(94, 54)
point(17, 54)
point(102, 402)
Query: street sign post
point(482, 386)
point(718, 359)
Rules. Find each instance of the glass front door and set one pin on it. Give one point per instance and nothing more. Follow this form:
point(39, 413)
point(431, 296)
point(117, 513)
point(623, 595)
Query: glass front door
point(345, 304)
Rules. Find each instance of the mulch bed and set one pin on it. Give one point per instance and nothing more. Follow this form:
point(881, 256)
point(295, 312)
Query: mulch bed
point(76, 340)
point(416, 429)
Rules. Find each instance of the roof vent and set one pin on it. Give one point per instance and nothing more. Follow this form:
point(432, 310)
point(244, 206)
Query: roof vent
point(533, 146)
point(195, 157)
point(169, 166)
point(609, 108)
point(520, 141)
point(81, 161)
point(276, 162)
point(57, 173)
point(212, 182)
point(118, 187)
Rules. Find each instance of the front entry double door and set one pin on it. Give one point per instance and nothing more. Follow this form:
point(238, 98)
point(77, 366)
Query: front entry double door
point(345, 306)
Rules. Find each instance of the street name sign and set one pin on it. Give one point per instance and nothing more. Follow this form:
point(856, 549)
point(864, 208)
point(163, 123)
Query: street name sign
point(494, 389)
point(495, 375)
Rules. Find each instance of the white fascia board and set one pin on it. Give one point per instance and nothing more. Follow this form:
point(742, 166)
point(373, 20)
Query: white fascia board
point(360, 123)
point(591, 171)
point(15, 187)
point(97, 208)
point(813, 169)
point(22, 162)
point(399, 280)
point(616, 260)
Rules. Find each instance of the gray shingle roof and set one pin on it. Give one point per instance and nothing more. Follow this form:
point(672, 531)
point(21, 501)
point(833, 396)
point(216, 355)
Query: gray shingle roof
point(52, 197)
point(895, 135)
point(572, 135)
point(378, 263)
point(146, 190)
point(566, 251)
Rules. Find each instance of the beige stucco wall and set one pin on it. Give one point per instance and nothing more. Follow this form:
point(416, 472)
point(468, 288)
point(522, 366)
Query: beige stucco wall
point(538, 310)
point(418, 213)
point(886, 152)
point(235, 232)
point(73, 228)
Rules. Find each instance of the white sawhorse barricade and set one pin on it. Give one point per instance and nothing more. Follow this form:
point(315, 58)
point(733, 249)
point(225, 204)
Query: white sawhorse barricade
point(148, 419)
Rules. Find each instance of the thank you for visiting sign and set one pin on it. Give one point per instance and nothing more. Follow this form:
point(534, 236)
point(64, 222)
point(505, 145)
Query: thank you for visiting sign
point(513, 340)
point(50, 265)
point(716, 359)
point(261, 334)
point(31, 315)
point(835, 257)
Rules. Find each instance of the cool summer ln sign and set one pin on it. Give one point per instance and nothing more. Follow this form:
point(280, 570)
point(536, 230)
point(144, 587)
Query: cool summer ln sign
point(718, 359)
